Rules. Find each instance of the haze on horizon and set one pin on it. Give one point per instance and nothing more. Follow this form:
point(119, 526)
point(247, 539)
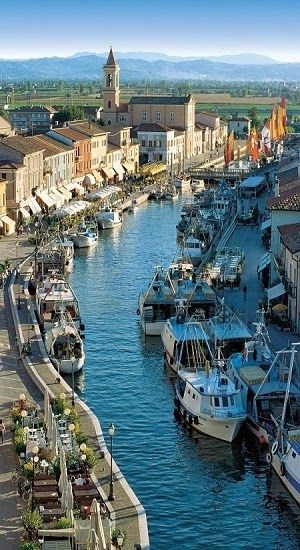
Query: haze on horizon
point(186, 29)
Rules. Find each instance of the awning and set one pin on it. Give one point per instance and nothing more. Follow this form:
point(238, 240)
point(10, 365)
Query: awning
point(24, 213)
point(74, 185)
point(118, 168)
point(46, 199)
point(97, 176)
point(33, 205)
point(67, 194)
point(152, 168)
point(109, 173)
point(8, 221)
point(60, 199)
point(264, 262)
point(276, 291)
point(129, 167)
point(266, 224)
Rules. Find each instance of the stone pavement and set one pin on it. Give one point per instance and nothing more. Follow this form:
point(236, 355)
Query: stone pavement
point(13, 381)
point(249, 238)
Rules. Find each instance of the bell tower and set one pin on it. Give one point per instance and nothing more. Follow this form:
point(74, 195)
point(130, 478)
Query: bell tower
point(111, 90)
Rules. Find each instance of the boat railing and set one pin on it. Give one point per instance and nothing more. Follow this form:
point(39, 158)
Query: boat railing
point(213, 413)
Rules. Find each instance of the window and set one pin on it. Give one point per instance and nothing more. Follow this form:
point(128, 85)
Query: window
point(217, 401)
point(157, 116)
point(108, 123)
point(144, 117)
point(109, 80)
point(231, 400)
point(225, 401)
point(3, 176)
point(172, 117)
point(109, 104)
point(143, 143)
point(150, 143)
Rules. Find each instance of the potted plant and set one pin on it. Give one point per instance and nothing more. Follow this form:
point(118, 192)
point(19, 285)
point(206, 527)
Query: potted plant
point(118, 537)
point(32, 522)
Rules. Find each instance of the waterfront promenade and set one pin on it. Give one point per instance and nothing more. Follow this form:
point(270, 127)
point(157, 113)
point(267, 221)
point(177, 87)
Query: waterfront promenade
point(17, 373)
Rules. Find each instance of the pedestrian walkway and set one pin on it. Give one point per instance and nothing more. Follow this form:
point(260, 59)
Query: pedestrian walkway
point(248, 238)
point(13, 381)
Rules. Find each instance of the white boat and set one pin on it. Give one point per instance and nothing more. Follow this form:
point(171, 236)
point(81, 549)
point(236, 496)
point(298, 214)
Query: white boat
point(65, 244)
point(156, 304)
point(54, 297)
point(262, 380)
point(64, 346)
point(85, 238)
point(133, 207)
point(197, 185)
point(284, 454)
point(195, 248)
point(183, 183)
point(108, 218)
point(170, 193)
point(205, 397)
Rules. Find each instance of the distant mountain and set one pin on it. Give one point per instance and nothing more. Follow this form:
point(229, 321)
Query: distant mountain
point(89, 67)
point(245, 59)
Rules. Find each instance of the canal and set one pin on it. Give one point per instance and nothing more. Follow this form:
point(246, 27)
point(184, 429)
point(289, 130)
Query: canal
point(197, 492)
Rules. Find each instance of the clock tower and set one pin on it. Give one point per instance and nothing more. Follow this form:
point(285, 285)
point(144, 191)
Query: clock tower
point(111, 90)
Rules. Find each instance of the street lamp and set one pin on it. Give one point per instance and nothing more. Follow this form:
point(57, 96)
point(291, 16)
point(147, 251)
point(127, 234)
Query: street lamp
point(73, 399)
point(26, 432)
point(111, 432)
point(72, 428)
point(120, 540)
point(35, 460)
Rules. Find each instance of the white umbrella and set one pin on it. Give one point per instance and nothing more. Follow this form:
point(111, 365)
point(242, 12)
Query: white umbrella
point(63, 479)
point(69, 499)
point(46, 407)
point(93, 541)
point(96, 524)
point(54, 435)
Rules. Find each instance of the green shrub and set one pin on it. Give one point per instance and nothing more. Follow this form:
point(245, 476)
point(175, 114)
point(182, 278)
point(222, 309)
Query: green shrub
point(80, 437)
point(30, 545)
point(118, 533)
point(28, 469)
point(32, 521)
point(91, 458)
point(62, 523)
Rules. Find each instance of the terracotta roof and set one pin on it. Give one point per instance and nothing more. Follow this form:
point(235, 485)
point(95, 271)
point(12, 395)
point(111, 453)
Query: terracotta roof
point(113, 147)
point(152, 127)
point(89, 128)
point(214, 115)
point(72, 134)
point(51, 146)
point(90, 109)
point(115, 128)
point(110, 60)
point(199, 126)
point(288, 200)
point(290, 236)
point(160, 100)
point(24, 145)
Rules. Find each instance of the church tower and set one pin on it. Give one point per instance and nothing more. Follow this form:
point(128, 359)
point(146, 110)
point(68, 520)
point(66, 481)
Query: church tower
point(111, 90)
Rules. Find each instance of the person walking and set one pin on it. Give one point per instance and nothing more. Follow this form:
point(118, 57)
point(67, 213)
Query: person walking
point(245, 292)
point(2, 430)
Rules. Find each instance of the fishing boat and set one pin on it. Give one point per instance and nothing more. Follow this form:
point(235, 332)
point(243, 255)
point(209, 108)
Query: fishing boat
point(284, 452)
point(108, 218)
point(262, 380)
point(85, 238)
point(156, 304)
point(171, 193)
point(205, 397)
point(65, 244)
point(64, 345)
point(183, 183)
point(54, 297)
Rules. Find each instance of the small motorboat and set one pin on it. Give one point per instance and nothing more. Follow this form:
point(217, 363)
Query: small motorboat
point(64, 345)
point(108, 218)
point(133, 207)
point(85, 238)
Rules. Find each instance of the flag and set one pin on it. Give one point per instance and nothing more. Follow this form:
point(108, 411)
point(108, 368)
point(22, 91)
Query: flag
point(265, 136)
point(229, 149)
point(252, 145)
point(283, 107)
point(273, 124)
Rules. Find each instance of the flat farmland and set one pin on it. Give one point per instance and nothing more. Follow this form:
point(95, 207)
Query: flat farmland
point(228, 99)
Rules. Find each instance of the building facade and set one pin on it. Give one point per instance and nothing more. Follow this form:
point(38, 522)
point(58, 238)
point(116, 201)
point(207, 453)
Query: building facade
point(34, 119)
point(290, 257)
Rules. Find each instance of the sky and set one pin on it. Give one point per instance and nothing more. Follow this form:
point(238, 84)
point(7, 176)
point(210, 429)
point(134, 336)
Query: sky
point(46, 28)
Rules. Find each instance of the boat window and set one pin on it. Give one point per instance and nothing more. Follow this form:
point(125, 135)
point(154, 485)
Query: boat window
point(189, 392)
point(201, 389)
point(217, 401)
point(293, 454)
point(194, 396)
point(225, 401)
point(231, 400)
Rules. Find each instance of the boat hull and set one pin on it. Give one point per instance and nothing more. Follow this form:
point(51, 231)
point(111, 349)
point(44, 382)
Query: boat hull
point(68, 366)
point(85, 242)
point(154, 328)
point(108, 224)
point(287, 477)
point(219, 428)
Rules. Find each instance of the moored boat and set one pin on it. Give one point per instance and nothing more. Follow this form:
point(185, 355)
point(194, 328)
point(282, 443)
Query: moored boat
point(85, 238)
point(156, 304)
point(183, 183)
point(108, 218)
point(64, 345)
point(54, 297)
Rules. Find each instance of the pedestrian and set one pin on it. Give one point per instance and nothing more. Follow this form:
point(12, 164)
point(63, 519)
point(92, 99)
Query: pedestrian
point(2, 430)
point(245, 291)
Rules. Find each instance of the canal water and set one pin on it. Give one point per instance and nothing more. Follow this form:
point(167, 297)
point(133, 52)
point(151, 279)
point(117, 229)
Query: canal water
point(197, 492)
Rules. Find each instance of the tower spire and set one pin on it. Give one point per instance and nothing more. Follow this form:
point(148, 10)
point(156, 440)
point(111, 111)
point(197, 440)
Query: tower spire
point(110, 60)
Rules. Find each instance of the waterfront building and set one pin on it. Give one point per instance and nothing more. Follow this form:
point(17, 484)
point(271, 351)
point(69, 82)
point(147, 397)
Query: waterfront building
point(241, 126)
point(59, 160)
point(6, 129)
point(81, 142)
point(290, 258)
point(22, 164)
point(7, 225)
point(33, 119)
point(174, 113)
point(284, 210)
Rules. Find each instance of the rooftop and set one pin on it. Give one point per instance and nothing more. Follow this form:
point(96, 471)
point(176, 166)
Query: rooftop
point(116, 128)
point(32, 109)
point(152, 127)
point(288, 200)
point(71, 133)
point(51, 146)
point(110, 60)
point(160, 100)
point(290, 236)
point(7, 165)
point(25, 145)
point(89, 128)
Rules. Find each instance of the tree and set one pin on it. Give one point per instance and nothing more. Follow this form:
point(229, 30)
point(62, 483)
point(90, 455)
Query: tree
point(254, 117)
point(68, 113)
